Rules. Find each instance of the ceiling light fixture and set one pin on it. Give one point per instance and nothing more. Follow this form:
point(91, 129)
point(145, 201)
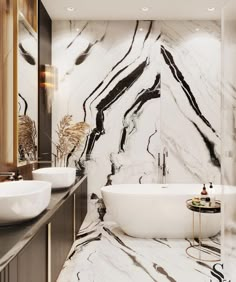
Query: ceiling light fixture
point(145, 9)
point(197, 29)
point(70, 9)
point(141, 29)
point(212, 9)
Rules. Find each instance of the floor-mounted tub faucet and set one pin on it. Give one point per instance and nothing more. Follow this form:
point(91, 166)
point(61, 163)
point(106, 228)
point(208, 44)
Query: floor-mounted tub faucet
point(163, 167)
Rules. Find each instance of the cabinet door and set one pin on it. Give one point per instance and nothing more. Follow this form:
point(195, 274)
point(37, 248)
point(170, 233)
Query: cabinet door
point(32, 260)
point(4, 275)
point(12, 271)
point(80, 205)
point(31, 263)
point(61, 236)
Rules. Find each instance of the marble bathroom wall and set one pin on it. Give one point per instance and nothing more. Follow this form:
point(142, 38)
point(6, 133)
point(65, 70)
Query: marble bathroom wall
point(142, 86)
point(229, 134)
point(191, 100)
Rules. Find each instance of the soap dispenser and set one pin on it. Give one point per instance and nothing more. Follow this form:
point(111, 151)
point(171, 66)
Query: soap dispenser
point(212, 195)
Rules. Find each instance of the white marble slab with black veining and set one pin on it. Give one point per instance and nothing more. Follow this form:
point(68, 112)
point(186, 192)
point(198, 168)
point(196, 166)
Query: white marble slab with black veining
point(103, 253)
point(141, 85)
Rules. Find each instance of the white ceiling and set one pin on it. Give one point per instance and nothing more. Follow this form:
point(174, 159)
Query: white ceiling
point(131, 9)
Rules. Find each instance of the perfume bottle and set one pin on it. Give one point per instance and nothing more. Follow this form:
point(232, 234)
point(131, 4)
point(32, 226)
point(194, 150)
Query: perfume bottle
point(204, 191)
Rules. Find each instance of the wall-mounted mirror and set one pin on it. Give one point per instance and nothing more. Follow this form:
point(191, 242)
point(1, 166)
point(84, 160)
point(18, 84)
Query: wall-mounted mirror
point(27, 90)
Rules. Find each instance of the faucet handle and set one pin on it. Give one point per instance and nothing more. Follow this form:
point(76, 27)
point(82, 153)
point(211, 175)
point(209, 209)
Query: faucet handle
point(19, 177)
point(11, 178)
point(159, 159)
point(165, 151)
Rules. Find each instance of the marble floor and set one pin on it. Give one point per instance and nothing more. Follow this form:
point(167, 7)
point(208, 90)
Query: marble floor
point(103, 253)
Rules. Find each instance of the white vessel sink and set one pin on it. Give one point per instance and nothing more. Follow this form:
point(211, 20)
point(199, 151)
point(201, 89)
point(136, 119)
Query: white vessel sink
point(23, 200)
point(60, 177)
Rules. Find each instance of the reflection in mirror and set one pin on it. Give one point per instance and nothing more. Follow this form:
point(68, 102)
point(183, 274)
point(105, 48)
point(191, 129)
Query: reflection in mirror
point(6, 84)
point(27, 92)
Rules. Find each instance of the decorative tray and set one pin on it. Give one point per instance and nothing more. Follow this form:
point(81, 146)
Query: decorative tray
point(204, 209)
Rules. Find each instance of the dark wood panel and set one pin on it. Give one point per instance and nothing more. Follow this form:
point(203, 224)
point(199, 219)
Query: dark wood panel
point(2, 276)
point(84, 208)
point(80, 205)
point(9, 274)
point(32, 261)
point(78, 213)
point(61, 236)
point(26, 170)
point(12, 271)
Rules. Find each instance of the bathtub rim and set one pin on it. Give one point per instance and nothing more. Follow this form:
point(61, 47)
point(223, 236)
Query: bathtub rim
point(165, 189)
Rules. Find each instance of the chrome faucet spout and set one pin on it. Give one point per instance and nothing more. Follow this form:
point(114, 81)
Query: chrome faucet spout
point(10, 174)
point(163, 167)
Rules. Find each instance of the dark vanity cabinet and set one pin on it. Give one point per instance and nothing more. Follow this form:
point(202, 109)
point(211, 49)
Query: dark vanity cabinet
point(80, 205)
point(42, 258)
point(65, 227)
point(62, 236)
point(31, 263)
point(9, 274)
point(32, 260)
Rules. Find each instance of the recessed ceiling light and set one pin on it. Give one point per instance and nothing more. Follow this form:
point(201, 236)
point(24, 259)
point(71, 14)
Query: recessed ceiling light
point(211, 9)
point(141, 29)
point(77, 29)
point(145, 9)
point(70, 9)
point(197, 29)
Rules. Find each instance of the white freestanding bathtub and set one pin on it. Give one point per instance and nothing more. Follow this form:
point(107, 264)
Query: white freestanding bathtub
point(151, 211)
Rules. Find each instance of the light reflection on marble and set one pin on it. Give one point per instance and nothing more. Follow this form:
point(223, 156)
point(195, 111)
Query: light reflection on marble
point(103, 253)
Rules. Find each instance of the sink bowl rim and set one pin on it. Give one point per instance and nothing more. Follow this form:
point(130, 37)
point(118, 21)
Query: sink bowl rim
point(30, 189)
point(54, 170)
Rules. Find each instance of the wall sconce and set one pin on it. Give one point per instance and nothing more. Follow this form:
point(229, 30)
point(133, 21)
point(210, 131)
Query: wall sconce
point(48, 84)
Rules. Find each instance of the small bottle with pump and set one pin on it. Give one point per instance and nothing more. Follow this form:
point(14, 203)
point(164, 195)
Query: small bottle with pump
point(212, 196)
point(204, 191)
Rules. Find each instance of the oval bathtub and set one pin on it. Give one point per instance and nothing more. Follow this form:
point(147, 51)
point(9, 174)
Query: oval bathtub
point(151, 211)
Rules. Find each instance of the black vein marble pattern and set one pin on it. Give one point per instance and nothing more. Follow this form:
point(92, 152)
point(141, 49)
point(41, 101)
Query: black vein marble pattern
point(177, 74)
point(103, 253)
point(141, 85)
point(25, 104)
point(26, 55)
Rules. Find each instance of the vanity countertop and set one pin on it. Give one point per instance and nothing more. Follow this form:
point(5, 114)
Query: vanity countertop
point(15, 237)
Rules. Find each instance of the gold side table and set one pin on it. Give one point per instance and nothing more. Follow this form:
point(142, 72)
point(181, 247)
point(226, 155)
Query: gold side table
point(201, 209)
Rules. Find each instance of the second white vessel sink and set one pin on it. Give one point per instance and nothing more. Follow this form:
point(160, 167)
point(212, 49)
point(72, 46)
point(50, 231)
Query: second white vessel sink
point(60, 177)
point(23, 200)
